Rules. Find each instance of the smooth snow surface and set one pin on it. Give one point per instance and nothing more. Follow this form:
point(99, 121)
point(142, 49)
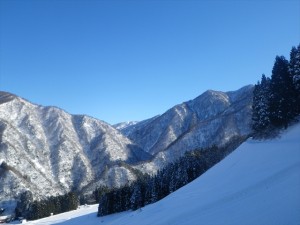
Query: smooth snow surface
point(259, 183)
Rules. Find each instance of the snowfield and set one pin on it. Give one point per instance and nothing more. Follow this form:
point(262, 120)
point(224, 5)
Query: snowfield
point(259, 183)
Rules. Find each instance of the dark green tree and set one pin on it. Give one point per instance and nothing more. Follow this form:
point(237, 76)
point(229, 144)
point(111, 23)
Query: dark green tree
point(260, 107)
point(282, 94)
point(23, 206)
point(73, 201)
point(99, 192)
point(136, 198)
point(294, 69)
point(43, 208)
point(103, 208)
point(146, 189)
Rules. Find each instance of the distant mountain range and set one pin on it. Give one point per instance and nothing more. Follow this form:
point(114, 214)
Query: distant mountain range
point(47, 151)
point(213, 118)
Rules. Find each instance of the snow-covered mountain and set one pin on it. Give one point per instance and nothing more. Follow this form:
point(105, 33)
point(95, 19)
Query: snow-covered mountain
point(259, 183)
point(48, 151)
point(124, 125)
point(129, 127)
point(213, 118)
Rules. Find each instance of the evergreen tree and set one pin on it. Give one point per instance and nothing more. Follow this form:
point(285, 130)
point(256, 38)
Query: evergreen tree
point(170, 170)
point(125, 197)
point(281, 93)
point(43, 208)
point(99, 192)
point(23, 206)
point(152, 190)
point(146, 189)
point(294, 69)
point(57, 203)
point(33, 211)
point(136, 197)
point(260, 109)
point(73, 201)
point(103, 205)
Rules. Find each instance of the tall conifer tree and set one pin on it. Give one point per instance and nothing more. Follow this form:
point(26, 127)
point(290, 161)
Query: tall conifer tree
point(261, 102)
point(294, 69)
point(281, 93)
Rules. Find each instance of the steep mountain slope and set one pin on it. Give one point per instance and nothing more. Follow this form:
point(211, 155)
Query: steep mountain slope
point(213, 118)
point(127, 128)
point(259, 183)
point(124, 125)
point(48, 151)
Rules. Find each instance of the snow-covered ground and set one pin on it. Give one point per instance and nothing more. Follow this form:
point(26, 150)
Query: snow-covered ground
point(259, 183)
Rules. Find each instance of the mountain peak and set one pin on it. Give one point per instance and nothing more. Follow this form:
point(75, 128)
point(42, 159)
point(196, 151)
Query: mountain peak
point(124, 125)
point(49, 151)
point(211, 95)
point(6, 97)
point(213, 118)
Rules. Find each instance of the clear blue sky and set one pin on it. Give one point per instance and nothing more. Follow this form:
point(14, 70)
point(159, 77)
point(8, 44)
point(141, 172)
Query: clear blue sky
point(131, 60)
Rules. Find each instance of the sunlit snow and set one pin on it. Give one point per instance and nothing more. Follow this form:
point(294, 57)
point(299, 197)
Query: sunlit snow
point(259, 183)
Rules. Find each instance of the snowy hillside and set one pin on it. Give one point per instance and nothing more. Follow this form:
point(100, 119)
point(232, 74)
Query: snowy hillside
point(213, 118)
point(259, 183)
point(124, 125)
point(47, 151)
point(127, 128)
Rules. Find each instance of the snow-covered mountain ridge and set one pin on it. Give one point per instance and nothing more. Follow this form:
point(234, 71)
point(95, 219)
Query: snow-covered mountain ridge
point(213, 118)
point(259, 183)
point(124, 125)
point(48, 151)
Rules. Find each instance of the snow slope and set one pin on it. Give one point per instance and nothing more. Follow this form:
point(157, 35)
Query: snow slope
point(259, 183)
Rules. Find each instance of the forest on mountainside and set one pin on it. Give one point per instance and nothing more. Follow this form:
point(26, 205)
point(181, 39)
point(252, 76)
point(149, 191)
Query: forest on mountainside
point(149, 189)
point(276, 104)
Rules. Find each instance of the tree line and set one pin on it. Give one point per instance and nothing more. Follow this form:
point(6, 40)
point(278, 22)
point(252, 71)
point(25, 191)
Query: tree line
point(33, 210)
point(276, 100)
point(149, 189)
point(276, 104)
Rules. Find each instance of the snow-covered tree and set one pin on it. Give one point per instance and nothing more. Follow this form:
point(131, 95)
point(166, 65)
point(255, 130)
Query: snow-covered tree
point(103, 205)
point(294, 69)
point(282, 94)
point(148, 189)
point(136, 197)
point(261, 111)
